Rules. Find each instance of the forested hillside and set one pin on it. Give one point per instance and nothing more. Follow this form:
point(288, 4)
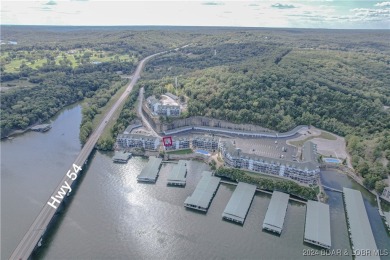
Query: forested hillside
point(337, 80)
point(340, 84)
point(52, 67)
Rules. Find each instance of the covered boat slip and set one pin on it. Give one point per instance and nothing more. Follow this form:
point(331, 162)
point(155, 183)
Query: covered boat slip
point(239, 203)
point(276, 212)
point(177, 176)
point(150, 172)
point(203, 193)
point(359, 226)
point(121, 157)
point(317, 225)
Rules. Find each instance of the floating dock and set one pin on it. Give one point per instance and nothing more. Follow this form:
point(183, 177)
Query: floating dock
point(359, 226)
point(177, 177)
point(276, 212)
point(150, 172)
point(121, 157)
point(239, 203)
point(41, 128)
point(204, 192)
point(317, 226)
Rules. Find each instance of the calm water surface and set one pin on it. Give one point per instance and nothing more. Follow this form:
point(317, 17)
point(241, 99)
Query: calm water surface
point(114, 217)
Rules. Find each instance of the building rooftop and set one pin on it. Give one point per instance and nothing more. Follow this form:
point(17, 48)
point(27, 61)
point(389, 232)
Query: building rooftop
point(309, 152)
point(239, 202)
point(138, 137)
point(276, 212)
point(360, 228)
point(178, 173)
point(317, 226)
point(204, 191)
point(152, 100)
point(236, 152)
point(150, 171)
point(172, 96)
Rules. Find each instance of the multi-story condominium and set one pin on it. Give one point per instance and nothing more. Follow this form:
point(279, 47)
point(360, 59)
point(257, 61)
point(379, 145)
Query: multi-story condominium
point(206, 143)
point(163, 110)
point(179, 143)
point(306, 171)
point(136, 140)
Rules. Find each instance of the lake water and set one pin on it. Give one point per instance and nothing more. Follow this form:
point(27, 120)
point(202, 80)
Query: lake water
point(111, 216)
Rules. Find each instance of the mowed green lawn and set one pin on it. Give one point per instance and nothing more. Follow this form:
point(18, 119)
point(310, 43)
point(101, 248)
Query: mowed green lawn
point(12, 65)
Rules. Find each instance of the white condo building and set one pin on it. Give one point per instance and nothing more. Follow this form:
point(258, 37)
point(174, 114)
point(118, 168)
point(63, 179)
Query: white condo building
point(306, 171)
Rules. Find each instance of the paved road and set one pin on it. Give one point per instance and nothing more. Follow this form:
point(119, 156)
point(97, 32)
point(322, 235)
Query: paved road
point(38, 228)
point(141, 114)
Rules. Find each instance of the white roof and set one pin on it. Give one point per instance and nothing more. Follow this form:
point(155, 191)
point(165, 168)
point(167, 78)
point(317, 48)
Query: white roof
point(361, 232)
point(240, 202)
point(204, 191)
point(274, 218)
point(178, 172)
point(317, 226)
point(150, 171)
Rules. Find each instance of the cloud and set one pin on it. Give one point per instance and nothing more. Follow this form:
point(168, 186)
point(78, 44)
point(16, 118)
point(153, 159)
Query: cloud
point(383, 4)
point(283, 6)
point(51, 3)
point(46, 8)
point(212, 3)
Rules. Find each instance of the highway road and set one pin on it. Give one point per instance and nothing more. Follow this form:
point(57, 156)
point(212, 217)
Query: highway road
point(40, 224)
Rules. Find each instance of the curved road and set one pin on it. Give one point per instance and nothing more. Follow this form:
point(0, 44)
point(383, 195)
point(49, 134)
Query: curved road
point(141, 114)
point(39, 226)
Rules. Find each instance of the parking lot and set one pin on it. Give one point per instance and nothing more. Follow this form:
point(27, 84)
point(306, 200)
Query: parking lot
point(268, 147)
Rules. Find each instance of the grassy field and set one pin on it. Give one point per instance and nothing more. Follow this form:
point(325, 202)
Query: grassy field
point(184, 151)
point(323, 135)
point(74, 57)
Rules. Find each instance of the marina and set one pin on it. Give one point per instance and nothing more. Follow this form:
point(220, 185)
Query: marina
point(177, 177)
point(361, 235)
point(150, 172)
point(239, 203)
point(121, 157)
point(204, 192)
point(317, 225)
point(276, 212)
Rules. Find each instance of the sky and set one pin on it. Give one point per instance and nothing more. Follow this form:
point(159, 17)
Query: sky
point(333, 14)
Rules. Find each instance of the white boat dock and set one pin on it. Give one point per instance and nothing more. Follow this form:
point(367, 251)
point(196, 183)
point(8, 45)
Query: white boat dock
point(360, 230)
point(317, 225)
point(177, 176)
point(276, 212)
point(41, 128)
point(121, 157)
point(204, 192)
point(150, 172)
point(239, 203)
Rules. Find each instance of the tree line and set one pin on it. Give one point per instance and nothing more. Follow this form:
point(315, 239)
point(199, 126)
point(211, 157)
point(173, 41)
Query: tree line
point(265, 183)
